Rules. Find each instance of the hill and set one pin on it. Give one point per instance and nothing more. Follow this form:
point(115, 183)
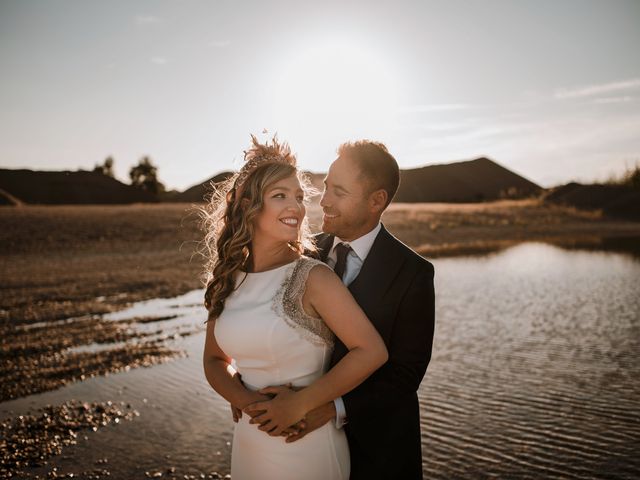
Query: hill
point(614, 200)
point(7, 199)
point(470, 181)
point(81, 187)
point(197, 192)
point(461, 182)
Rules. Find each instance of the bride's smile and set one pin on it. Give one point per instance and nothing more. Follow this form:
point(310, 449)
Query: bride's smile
point(283, 211)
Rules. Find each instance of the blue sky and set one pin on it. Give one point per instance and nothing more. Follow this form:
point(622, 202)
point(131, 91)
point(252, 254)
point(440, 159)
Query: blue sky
point(550, 89)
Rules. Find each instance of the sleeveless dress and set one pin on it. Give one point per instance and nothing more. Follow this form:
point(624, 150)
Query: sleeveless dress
point(272, 341)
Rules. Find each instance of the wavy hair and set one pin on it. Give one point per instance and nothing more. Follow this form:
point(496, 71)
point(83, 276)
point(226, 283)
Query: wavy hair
point(229, 214)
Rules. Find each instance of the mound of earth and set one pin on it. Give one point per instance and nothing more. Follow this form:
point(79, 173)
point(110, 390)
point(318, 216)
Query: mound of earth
point(462, 182)
point(7, 199)
point(471, 181)
point(197, 193)
point(613, 200)
point(81, 187)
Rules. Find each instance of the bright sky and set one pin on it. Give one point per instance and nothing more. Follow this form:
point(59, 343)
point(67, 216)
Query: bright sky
point(550, 89)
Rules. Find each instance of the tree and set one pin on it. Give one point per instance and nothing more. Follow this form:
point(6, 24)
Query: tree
point(144, 175)
point(106, 168)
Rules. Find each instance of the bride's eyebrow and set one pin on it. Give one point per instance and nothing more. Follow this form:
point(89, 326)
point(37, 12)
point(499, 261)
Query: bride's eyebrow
point(273, 189)
point(284, 188)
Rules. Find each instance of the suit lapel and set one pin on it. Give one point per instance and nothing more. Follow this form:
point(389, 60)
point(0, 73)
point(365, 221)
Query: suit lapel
point(324, 243)
point(378, 271)
point(379, 268)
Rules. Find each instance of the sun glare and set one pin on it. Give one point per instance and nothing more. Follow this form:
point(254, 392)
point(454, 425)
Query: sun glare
point(332, 92)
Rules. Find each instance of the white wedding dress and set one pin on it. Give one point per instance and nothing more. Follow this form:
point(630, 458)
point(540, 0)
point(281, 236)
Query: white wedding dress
point(265, 330)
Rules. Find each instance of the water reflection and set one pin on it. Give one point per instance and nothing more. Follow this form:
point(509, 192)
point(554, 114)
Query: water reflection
point(534, 366)
point(625, 245)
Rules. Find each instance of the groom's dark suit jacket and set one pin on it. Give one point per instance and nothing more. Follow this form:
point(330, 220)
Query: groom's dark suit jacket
point(395, 290)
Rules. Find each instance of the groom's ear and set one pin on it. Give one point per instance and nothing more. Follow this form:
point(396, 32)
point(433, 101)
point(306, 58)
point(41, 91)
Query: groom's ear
point(378, 200)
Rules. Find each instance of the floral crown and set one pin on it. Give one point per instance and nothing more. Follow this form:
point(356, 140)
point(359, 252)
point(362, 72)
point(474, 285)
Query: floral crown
point(263, 154)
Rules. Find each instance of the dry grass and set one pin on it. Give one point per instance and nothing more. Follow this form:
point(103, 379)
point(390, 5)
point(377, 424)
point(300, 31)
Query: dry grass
point(445, 229)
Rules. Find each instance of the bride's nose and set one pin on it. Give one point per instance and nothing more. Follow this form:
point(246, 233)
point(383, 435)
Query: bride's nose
point(295, 206)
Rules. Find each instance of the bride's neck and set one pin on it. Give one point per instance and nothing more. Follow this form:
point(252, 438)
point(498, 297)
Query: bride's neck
point(268, 256)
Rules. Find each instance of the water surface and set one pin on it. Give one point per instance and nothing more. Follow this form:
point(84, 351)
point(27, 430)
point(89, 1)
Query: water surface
point(534, 375)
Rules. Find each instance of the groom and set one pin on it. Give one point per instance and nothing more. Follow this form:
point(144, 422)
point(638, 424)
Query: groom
point(394, 287)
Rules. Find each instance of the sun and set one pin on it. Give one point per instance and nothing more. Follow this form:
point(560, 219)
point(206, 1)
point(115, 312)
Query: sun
point(330, 92)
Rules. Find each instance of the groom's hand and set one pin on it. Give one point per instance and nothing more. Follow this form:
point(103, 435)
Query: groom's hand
point(313, 420)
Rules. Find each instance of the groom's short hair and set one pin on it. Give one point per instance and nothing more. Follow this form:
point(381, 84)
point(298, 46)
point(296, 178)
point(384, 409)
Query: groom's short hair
point(376, 164)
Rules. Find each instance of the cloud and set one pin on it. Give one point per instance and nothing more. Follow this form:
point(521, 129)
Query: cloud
point(445, 126)
point(435, 108)
point(591, 90)
point(147, 19)
point(220, 43)
point(479, 135)
point(612, 100)
point(159, 60)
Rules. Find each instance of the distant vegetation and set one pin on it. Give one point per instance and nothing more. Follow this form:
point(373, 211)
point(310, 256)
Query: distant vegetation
point(106, 168)
point(619, 196)
point(630, 178)
point(144, 175)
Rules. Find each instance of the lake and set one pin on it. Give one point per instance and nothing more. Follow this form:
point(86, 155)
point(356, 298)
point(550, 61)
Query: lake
point(535, 374)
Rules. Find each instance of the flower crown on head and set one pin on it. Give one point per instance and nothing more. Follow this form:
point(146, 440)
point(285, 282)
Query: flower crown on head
point(263, 154)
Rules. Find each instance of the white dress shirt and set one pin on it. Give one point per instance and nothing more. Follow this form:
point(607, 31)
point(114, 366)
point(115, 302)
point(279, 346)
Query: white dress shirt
point(360, 248)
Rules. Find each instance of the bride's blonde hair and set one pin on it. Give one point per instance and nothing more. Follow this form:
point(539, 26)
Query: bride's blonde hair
point(228, 216)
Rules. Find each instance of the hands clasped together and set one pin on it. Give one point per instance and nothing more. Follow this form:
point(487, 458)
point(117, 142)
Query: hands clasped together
point(277, 413)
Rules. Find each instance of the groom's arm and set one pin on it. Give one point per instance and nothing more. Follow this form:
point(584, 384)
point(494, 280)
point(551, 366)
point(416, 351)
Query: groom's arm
point(409, 354)
point(409, 348)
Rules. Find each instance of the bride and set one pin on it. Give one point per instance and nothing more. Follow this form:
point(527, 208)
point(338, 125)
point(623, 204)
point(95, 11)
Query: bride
point(273, 314)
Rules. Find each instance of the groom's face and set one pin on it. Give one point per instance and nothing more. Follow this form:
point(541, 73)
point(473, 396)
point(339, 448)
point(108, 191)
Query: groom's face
point(345, 201)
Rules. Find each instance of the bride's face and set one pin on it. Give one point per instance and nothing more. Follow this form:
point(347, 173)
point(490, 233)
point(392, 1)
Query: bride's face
point(283, 210)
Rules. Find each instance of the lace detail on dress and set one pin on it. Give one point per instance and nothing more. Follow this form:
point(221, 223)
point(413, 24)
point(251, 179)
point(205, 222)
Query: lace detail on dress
point(287, 303)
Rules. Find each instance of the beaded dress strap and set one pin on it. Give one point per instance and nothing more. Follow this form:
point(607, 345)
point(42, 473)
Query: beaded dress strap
point(287, 303)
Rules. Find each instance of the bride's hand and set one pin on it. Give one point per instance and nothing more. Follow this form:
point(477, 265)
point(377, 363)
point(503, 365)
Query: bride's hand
point(276, 415)
point(254, 397)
